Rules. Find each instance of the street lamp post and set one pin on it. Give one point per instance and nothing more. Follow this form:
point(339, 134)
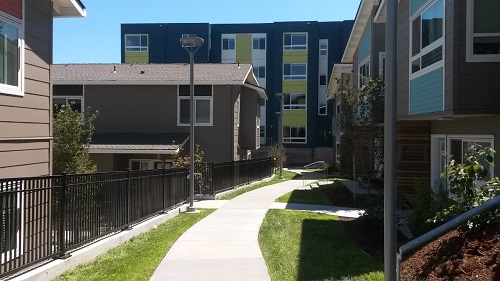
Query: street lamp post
point(191, 44)
point(280, 96)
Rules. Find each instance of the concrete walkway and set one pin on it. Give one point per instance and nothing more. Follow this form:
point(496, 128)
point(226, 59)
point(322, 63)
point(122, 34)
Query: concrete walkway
point(224, 245)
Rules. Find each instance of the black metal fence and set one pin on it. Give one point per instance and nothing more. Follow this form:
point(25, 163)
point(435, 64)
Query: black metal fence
point(213, 178)
point(45, 217)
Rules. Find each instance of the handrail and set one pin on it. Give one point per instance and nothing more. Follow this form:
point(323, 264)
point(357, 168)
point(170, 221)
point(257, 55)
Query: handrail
point(438, 231)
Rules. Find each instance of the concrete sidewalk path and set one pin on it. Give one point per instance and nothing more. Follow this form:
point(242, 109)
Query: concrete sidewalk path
point(224, 245)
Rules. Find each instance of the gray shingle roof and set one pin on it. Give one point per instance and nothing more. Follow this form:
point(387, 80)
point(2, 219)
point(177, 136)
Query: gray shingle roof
point(150, 73)
point(137, 142)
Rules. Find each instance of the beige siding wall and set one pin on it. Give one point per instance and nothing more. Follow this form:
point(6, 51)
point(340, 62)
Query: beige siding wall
point(25, 122)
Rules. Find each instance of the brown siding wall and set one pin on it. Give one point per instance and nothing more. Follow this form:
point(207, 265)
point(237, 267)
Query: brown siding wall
point(12, 7)
point(248, 119)
point(153, 109)
point(25, 122)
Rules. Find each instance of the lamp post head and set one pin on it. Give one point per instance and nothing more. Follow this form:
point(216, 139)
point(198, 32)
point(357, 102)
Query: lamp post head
point(191, 42)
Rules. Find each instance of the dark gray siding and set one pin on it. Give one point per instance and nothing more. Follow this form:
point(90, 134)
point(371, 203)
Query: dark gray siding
point(25, 122)
point(478, 83)
point(248, 119)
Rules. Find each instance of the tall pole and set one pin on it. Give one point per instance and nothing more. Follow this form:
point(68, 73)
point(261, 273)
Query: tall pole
point(390, 144)
point(280, 136)
point(191, 207)
point(191, 44)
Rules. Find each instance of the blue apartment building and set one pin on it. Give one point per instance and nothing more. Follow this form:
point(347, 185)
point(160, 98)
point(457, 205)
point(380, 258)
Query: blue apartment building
point(292, 58)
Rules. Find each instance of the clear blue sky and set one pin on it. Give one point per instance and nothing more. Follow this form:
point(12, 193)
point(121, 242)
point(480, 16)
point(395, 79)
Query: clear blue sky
point(96, 38)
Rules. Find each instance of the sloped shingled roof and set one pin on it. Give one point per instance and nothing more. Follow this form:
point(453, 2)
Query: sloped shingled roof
point(161, 143)
point(150, 73)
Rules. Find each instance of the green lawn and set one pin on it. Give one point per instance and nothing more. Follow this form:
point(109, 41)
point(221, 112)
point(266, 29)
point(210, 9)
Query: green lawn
point(307, 246)
point(138, 258)
point(287, 175)
point(309, 196)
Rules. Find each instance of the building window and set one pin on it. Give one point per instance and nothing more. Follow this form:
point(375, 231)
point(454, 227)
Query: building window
point(381, 65)
point(292, 134)
point(228, 44)
point(262, 131)
point(136, 43)
point(259, 43)
point(483, 30)
point(11, 55)
point(427, 37)
point(76, 103)
point(323, 49)
point(188, 35)
point(294, 71)
point(203, 105)
point(337, 108)
point(294, 101)
point(322, 79)
point(295, 41)
point(364, 72)
point(259, 71)
point(322, 108)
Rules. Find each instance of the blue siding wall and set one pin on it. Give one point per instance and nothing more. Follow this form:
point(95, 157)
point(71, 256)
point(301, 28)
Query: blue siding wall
point(426, 93)
point(364, 42)
point(416, 5)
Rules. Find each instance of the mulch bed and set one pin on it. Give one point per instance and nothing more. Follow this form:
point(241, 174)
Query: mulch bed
point(453, 256)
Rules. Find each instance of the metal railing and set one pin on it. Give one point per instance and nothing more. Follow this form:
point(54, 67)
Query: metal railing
point(417, 243)
point(213, 178)
point(45, 217)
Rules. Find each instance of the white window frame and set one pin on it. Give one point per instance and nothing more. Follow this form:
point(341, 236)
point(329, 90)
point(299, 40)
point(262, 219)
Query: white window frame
point(260, 47)
point(337, 107)
point(293, 47)
point(141, 48)
point(364, 63)
point(149, 161)
point(295, 106)
point(470, 56)
point(292, 76)
point(298, 140)
point(15, 253)
point(229, 45)
point(435, 151)
point(82, 112)
point(432, 46)
point(19, 24)
point(196, 98)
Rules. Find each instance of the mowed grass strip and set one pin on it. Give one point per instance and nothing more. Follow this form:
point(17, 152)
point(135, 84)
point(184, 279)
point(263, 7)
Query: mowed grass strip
point(287, 175)
point(306, 196)
point(307, 246)
point(138, 258)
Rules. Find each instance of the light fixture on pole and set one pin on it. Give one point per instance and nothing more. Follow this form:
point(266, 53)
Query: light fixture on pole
point(280, 96)
point(191, 44)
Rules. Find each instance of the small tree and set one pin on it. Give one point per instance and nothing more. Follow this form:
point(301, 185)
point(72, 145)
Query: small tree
point(72, 137)
point(183, 160)
point(273, 151)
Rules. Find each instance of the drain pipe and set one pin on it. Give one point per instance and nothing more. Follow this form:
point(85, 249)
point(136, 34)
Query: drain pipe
point(452, 224)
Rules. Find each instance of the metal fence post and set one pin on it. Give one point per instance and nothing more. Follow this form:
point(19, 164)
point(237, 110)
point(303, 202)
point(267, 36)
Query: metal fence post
point(62, 218)
point(129, 215)
point(164, 175)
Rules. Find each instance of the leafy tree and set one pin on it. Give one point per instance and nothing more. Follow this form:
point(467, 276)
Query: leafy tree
point(361, 121)
point(273, 151)
point(72, 137)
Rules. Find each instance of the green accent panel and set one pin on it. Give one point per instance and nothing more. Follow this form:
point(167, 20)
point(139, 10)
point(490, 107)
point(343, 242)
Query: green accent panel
point(295, 117)
point(294, 86)
point(136, 57)
point(244, 48)
point(295, 56)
